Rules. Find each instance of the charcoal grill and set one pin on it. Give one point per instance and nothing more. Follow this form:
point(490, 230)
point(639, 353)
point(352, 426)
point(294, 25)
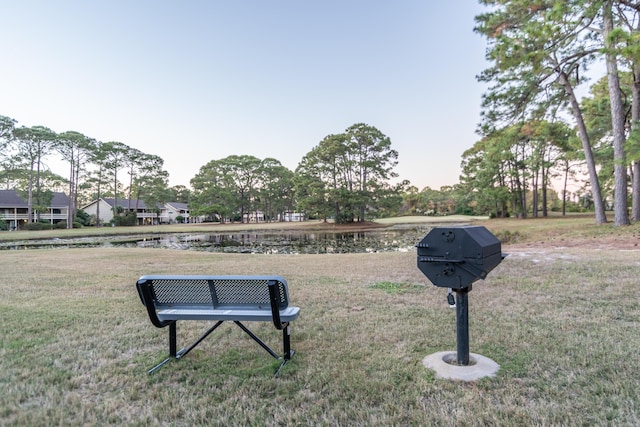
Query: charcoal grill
point(454, 258)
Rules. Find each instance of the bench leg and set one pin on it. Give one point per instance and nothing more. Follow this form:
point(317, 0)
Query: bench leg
point(172, 339)
point(286, 334)
point(258, 340)
point(184, 352)
point(172, 348)
point(173, 353)
point(159, 365)
point(288, 353)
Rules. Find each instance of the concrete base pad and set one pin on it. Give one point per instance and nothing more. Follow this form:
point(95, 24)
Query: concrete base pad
point(479, 366)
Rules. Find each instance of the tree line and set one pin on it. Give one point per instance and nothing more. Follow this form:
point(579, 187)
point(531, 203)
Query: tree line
point(534, 126)
point(345, 177)
point(95, 168)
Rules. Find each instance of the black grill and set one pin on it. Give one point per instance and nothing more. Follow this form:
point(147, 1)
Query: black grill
point(454, 258)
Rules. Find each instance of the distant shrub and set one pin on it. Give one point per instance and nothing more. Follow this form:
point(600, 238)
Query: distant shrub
point(128, 220)
point(82, 217)
point(35, 226)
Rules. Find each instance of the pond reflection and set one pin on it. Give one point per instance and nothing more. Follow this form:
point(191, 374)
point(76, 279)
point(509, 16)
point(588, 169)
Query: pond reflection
point(248, 242)
point(278, 243)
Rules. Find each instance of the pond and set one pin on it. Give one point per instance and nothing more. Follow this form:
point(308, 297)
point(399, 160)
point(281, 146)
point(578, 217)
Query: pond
point(387, 240)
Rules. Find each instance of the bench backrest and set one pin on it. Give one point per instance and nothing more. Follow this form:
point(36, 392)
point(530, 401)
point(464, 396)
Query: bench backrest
point(219, 292)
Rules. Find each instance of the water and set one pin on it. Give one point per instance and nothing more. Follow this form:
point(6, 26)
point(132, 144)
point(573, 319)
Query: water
point(391, 240)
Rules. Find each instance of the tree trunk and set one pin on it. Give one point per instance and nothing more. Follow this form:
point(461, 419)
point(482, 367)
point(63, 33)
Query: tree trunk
point(621, 213)
point(99, 196)
point(601, 218)
point(72, 198)
point(635, 124)
point(534, 194)
point(76, 186)
point(545, 172)
point(564, 190)
point(30, 196)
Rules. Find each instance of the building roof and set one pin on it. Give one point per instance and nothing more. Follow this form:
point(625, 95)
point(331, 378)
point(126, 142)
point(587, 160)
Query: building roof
point(127, 203)
point(131, 204)
point(179, 206)
point(11, 199)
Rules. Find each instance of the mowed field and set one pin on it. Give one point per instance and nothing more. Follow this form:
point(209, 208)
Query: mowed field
point(560, 315)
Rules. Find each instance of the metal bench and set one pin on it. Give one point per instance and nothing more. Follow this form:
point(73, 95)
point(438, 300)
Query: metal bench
point(218, 298)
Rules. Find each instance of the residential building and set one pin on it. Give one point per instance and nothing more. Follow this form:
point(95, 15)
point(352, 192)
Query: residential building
point(290, 216)
point(177, 209)
point(14, 209)
point(146, 215)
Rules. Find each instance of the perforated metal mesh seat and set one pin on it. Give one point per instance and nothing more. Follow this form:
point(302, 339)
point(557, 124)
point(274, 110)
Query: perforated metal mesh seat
point(216, 291)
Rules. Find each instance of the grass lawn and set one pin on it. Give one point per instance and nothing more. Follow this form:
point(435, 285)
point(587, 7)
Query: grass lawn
point(562, 322)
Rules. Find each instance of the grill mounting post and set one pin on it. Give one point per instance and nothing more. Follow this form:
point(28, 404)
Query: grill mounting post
point(462, 326)
point(454, 258)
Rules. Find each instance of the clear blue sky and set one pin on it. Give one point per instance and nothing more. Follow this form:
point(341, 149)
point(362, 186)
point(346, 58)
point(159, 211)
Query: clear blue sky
point(194, 81)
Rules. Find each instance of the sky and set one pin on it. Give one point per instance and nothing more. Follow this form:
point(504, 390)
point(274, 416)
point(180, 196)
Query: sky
point(199, 80)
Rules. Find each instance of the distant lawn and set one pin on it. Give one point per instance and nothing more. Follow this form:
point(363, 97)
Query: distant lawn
point(424, 219)
point(562, 323)
point(530, 229)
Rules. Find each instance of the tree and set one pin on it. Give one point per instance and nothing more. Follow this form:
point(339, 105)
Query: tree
point(510, 168)
point(621, 214)
point(180, 193)
point(33, 145)
point(538, 50)
point(226, 187)
point(76, 149)
point(320, 180)
point(96, 180)
point(151, 182)
point(411, 201)
point(275, 191)
point(624, 44)
point(490, 173)
point(632, 52)
point(348, 174)
point(7, 126)
point(548, 142)
point(115, 157)
point(373, 160)
point(311, 192)
point(134, 162)
point(242, 175)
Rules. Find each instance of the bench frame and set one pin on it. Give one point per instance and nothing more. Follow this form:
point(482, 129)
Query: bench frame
point(277, 296)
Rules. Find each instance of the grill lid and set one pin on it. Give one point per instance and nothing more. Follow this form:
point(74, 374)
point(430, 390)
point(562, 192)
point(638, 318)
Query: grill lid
point(455, 257)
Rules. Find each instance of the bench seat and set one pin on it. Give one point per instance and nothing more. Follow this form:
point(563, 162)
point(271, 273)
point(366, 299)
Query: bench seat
point(243, 315)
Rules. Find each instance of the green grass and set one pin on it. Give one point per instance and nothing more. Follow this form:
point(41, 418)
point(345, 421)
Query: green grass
point(563, 324)
point(398, 288)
